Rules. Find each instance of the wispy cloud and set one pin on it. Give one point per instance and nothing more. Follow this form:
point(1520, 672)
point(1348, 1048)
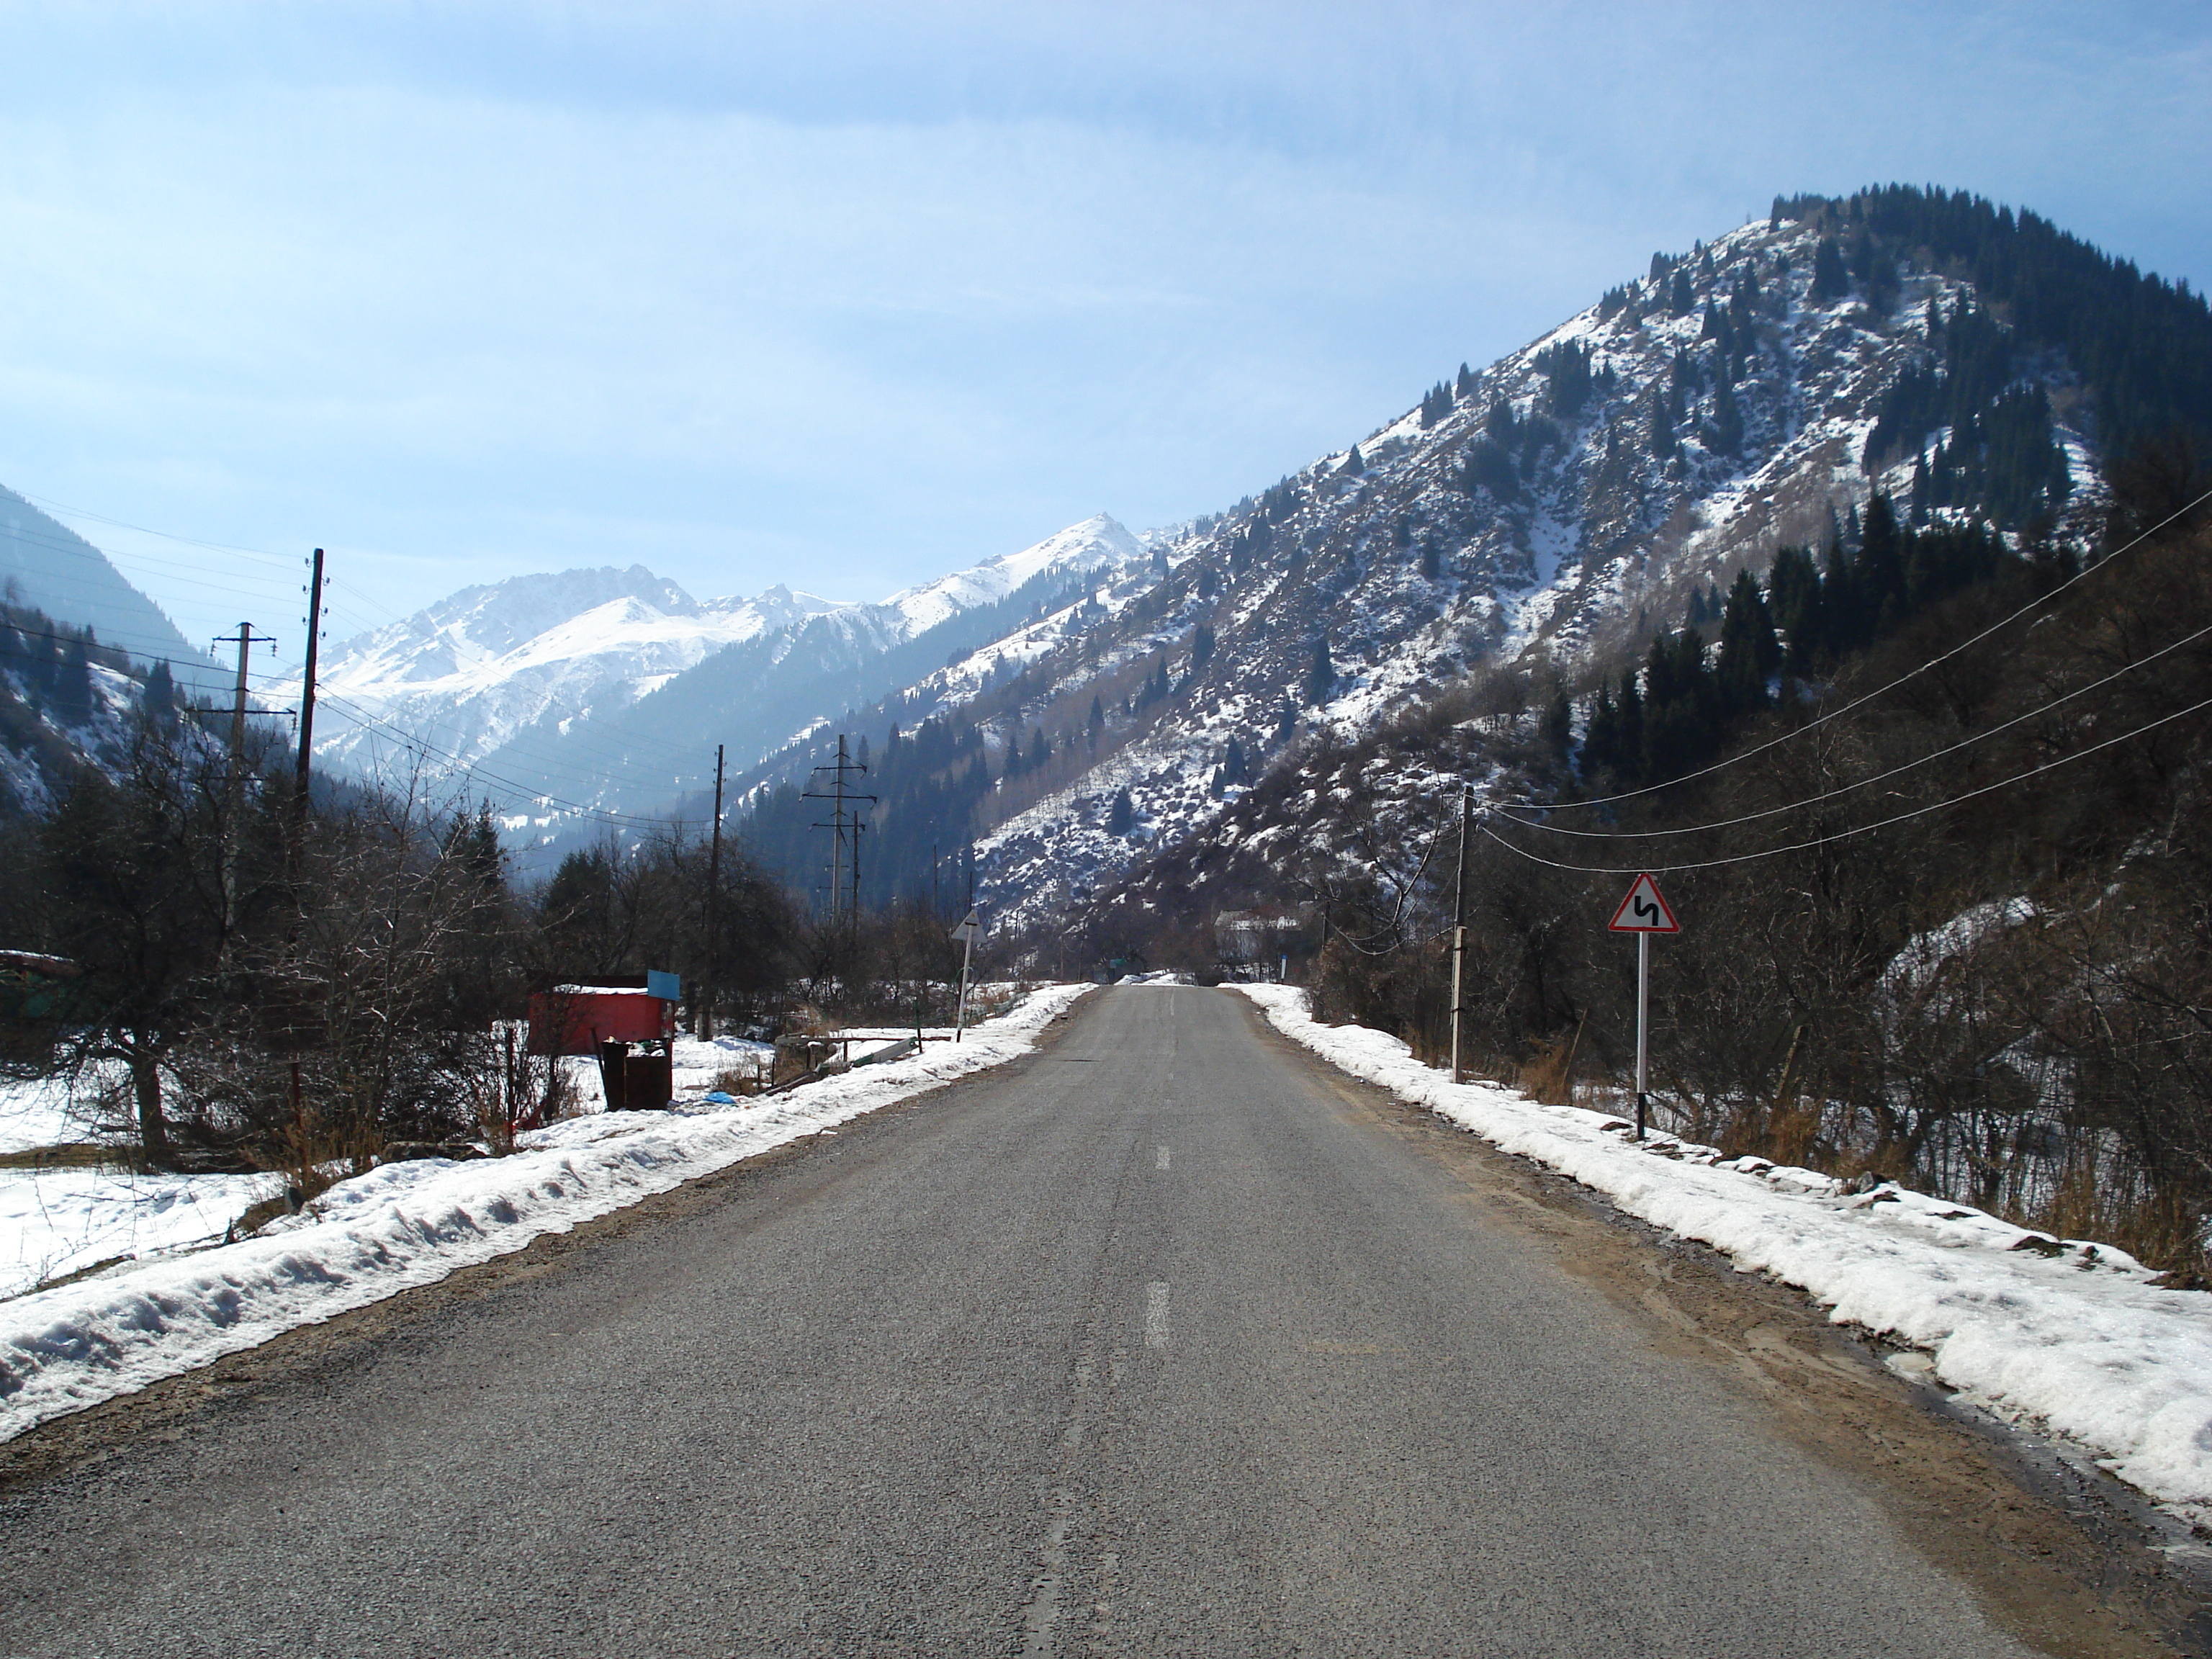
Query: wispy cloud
point(849, 294)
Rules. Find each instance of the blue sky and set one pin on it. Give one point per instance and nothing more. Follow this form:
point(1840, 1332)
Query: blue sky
point(845, 296)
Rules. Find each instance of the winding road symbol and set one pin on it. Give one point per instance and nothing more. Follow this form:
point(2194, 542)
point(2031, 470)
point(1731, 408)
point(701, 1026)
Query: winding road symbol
point(1643, 911)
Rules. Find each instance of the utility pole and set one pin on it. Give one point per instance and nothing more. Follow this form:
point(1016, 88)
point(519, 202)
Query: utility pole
point(234, 787)
point(844, 821)
point(1459, 933)
point(853, 913)
point(306, 713)
point(713, 906)
point(243, 640)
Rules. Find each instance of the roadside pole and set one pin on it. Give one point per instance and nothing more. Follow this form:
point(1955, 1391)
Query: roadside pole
point(1459, 932)
point(302, 773)
point(714, 910)
point(965, 933)
point(235, 785)
point(1644, 913)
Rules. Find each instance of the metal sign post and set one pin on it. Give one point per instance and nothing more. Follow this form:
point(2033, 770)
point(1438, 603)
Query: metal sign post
point(971, 925)
point(1644, 913)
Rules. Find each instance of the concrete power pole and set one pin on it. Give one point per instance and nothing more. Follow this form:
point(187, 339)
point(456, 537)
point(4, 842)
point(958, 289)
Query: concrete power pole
point(235, 785)
point(1459, 935)
point(714, 907)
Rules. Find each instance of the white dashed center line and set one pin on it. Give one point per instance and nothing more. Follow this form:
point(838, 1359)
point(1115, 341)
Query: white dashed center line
point(1162, 1158)
point(1155, 1315)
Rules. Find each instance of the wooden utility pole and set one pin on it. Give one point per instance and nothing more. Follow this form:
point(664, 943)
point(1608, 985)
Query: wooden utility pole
point(306, 713)
point(713, 906)
point(1459, 934)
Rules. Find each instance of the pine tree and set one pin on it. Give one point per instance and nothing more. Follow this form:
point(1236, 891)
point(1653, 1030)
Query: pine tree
point(1878, 571)
point(1628, 730)
point(1794, 599)
point(159, 699)
point(1602, 737)
point(1121, 816)
point(1354, 465)
point(1661, 420)
point(1750, 654)
point(1235, 767)
point(1320, 675)
point(1829, 280)
point(72, 692)
point(1559, 723)
point(1201, 646)
point(1726, 433)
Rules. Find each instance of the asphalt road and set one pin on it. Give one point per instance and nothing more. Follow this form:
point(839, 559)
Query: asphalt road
point(1147, 1344)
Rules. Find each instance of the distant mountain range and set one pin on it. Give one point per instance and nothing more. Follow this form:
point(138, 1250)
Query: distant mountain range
point(589, 695)
point(1079, 710)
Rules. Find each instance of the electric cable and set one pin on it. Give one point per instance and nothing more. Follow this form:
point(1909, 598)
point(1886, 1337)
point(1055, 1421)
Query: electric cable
point(1864, 698)
point(377, 726)
point(1859, 829)
point(1878, 777)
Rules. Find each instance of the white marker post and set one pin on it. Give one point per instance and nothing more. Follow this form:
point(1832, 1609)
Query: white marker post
point(1644, 913)
point(971, 925)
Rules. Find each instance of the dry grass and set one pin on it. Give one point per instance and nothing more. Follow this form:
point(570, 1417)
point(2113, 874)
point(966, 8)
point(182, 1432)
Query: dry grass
point(2163, 1235)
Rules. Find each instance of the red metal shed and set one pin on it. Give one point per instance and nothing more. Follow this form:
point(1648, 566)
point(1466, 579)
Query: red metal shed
point(575, 1019)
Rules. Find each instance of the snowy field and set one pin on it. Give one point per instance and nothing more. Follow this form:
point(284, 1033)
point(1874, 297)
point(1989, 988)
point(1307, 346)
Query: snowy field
point(2071, 1336)
point(182, 1302)
point(55, 1221)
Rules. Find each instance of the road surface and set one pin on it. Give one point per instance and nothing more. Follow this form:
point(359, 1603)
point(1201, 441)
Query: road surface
point(1159, 1342)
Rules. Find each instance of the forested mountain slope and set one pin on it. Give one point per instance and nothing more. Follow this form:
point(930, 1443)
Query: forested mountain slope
point(1551, 515)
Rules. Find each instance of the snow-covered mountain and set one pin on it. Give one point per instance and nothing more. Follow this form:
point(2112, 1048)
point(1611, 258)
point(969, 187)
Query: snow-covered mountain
point(1547, 514)
point(465, 676)
point(1559, 505)
point(588, 691)
point(1096, 542)
point(1101, 704)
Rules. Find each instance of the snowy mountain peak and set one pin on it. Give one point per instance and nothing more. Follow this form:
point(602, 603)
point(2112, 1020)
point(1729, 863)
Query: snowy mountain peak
point(470, 671)
point(1098, 541)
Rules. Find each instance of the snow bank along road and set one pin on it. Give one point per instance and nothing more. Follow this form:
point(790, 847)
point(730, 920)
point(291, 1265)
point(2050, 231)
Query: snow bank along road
point(1164, 1339)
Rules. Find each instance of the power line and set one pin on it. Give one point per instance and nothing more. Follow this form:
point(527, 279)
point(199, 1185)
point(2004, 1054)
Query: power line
point(145, 529)
point(1860, 829)
point(425, 750)
point(1795, 732)
point(1878, 777)
point(560, 751)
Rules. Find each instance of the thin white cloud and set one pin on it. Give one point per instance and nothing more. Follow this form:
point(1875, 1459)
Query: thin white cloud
point(851, 295)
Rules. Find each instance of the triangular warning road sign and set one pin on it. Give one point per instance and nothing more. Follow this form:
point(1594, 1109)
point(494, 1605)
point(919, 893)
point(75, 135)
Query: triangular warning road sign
point(968, 930)
point(1643, 911)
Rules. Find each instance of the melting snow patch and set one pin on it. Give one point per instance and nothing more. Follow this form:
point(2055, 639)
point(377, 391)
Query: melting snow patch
point(2067, 1334)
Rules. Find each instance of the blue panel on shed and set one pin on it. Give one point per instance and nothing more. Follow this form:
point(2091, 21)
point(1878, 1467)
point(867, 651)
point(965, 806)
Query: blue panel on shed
point(667, 986)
